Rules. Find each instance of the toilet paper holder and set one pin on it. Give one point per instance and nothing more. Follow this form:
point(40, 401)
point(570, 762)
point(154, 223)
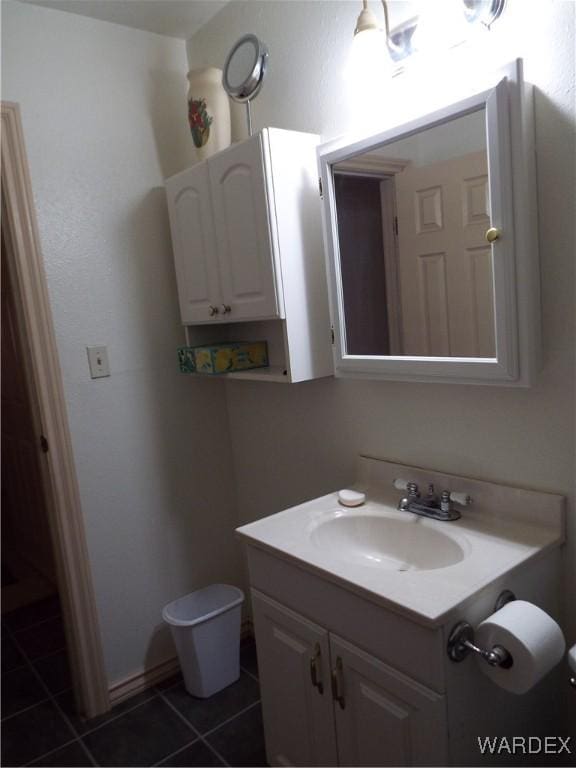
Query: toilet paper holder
point(461, 640)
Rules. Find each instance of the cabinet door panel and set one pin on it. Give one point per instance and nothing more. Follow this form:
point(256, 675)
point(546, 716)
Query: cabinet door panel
point(388, 719)
point(190, 210)
point(298, 719)
point(246, 253)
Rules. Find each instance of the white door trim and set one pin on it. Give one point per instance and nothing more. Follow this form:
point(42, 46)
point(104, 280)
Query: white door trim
point(66, 521)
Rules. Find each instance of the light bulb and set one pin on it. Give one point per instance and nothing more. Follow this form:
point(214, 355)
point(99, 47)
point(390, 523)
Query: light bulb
point(366, 79)
point(441, 24)
point(369, 59)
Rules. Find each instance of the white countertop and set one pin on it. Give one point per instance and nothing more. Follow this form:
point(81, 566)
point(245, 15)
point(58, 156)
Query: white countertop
point(523, 525)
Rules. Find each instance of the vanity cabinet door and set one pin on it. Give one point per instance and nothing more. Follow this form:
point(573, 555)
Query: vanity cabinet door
point(243, 211)
point(383, 717)
point(194, 244)
point(294, 669)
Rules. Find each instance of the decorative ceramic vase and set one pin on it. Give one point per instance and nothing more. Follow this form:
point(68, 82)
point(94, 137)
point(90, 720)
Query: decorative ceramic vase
point(208, 111)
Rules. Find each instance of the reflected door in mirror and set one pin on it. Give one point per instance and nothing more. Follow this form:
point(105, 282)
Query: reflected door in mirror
point(416, 270)
point(445, 263)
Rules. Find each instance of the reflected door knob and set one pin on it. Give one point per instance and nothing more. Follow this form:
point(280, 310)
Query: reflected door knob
point(492, 234)
point(212, 310)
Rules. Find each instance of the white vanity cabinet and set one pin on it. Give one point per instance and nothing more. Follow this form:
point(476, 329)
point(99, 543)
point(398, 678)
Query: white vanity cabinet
point(247, 241)
point(353, 612)
point(327, 702)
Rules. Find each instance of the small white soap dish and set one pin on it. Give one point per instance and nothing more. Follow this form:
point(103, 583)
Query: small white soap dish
point(350, 498)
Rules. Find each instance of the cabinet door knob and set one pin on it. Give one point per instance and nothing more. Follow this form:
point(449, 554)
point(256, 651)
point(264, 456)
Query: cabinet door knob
point(337, 684)
point(492, 234)
point(315, 661)
point(226, 309)
point(212, 310)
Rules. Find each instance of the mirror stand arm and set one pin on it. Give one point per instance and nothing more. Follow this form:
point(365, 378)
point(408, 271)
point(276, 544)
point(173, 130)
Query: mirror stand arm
point(249, 117)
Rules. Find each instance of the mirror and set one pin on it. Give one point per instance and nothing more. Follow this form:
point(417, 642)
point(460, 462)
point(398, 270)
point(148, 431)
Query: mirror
point(244, 71)
point(416, 269)
point(245, 68)
point(422, 224)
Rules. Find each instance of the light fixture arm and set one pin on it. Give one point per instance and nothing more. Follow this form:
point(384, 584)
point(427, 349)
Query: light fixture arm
point(386, 20)
point(389, 42)
point(367, 21)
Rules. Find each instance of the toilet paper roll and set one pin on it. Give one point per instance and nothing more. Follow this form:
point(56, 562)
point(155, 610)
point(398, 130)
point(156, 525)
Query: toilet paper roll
point(533, 639)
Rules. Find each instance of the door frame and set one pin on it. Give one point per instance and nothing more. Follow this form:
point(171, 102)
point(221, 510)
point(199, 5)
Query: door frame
point(59, 474)
point(392, 261)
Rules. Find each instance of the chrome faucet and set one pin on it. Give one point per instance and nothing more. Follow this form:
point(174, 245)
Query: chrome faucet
point(432, 505)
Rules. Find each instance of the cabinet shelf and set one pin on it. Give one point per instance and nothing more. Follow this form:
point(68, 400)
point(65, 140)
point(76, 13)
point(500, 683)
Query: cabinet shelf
point(273, 373)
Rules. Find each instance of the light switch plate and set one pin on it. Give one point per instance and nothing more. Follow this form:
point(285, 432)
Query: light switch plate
point(98, 361)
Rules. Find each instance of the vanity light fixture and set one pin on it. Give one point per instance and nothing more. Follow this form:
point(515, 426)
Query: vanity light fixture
point(437, 25)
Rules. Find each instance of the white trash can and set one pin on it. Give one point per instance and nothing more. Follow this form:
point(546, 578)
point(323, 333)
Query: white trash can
point(205, 626)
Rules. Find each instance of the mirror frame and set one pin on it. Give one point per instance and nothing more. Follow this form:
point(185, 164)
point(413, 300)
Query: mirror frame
point(511, 170)
point(250, 87)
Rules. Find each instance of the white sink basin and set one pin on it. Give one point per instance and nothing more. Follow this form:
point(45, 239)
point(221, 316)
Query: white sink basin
point(379, 542)
point(421, 567)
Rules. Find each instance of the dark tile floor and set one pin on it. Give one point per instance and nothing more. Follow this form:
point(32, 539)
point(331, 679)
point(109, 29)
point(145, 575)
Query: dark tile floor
point(162, 726)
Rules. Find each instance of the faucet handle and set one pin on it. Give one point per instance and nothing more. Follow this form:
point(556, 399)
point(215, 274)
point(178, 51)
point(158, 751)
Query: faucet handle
point(413, 491)
point(461, 498)
point(458, 498)
point(406, 485)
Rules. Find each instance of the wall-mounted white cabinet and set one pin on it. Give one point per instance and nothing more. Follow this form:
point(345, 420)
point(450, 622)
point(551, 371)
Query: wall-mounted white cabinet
point(226, 258)
point(247, 240)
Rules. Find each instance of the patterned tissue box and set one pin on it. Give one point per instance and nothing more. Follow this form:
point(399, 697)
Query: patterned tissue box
point(186, 360)
point(223, 358)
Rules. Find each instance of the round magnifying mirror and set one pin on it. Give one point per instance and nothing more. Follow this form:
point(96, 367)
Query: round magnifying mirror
point(245, 68)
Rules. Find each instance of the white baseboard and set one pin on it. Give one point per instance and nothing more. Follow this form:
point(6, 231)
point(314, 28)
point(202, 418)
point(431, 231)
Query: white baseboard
point(140, 681)
point(130, 686)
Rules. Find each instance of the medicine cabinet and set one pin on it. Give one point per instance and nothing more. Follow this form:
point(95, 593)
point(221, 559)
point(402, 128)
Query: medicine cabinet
point(431, 242)
point(247, 241)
